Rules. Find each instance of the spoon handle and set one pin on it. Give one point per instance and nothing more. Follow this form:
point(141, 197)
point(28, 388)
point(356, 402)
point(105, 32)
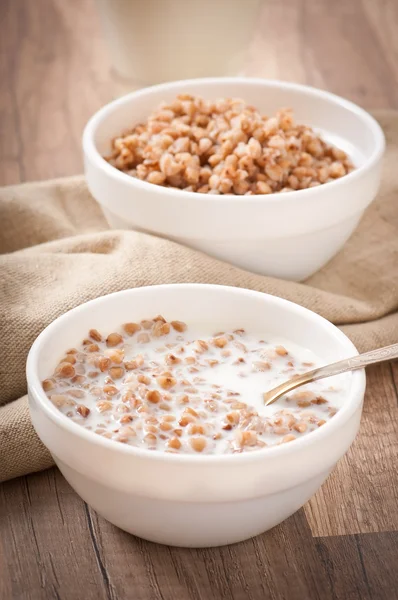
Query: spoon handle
point(349, 364)
point(356, 362)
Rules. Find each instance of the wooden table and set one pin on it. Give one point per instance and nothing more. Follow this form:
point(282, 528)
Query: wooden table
point(343, 545)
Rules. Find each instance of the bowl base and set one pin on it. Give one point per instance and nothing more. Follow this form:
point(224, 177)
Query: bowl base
point(191, 524)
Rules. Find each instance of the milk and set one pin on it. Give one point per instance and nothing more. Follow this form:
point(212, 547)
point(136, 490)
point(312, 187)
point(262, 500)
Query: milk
point(215, 380)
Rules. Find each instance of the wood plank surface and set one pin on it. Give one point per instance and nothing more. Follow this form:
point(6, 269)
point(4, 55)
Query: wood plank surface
point(343, 545)
point(364, 474)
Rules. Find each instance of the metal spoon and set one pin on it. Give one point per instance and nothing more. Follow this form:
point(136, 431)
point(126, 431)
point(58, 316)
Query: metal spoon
point(349, 364)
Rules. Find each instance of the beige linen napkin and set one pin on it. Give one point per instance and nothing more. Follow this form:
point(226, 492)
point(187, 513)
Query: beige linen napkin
point(56, 252)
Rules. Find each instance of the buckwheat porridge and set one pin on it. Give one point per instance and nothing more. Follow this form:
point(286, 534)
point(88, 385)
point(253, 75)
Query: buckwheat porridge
point(160, 386)
point(226, 147)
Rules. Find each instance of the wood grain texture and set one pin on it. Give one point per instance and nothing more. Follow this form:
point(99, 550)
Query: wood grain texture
point(367, 472)
point(46, 541)
point(343, 545)
point(53, 546)
point(57, 75)
point(345, 47)
point(356, 566)
point(253, 569)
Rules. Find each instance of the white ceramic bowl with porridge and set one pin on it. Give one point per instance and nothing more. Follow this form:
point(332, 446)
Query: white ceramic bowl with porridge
point(288, 234)
point(150, 401)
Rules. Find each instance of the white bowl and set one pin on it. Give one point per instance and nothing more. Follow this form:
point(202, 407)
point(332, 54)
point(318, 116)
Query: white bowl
point(193, 500)
point(288, 235)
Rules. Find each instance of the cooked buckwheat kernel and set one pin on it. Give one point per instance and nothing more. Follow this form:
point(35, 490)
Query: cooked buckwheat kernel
point(83, 410)
point(220, 342)
point(165, 426)
point(212, 362)
point(172, 360)
point(201, 346)
point(178, 326)
point(110, 390)
point(48, 385)
point(60, 400)
point(281, 351)
point(116, 356)
point(319, 400)
point(300, 427)
point(130, 365)
point(261, 366)
point(131, 328)
point(160, 329)
point(186, 420)
point(166, 381)
point(198, 443)
point(113, 339)
point(153, 396)
point(116, 372)
point(95, 335)
point(174, 443)
point(71, 358)
point(65, 369)
point(126, 419)
point(103, 405)
point(160, 319)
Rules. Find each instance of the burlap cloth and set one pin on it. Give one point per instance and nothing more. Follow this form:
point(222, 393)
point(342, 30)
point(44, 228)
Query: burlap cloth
point(56, 252)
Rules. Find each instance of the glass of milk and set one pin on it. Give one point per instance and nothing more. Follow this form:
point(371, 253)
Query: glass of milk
point(151, 41)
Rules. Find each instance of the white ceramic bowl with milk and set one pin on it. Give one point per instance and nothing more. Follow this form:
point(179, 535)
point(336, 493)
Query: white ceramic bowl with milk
point(288, 235)
point(194, 500)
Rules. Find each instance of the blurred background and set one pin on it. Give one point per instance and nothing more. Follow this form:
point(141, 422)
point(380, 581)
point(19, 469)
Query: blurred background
point(57, 60)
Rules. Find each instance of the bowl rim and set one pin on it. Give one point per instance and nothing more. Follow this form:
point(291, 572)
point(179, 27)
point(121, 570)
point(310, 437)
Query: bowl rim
point(90, 149)
point(354, 398)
